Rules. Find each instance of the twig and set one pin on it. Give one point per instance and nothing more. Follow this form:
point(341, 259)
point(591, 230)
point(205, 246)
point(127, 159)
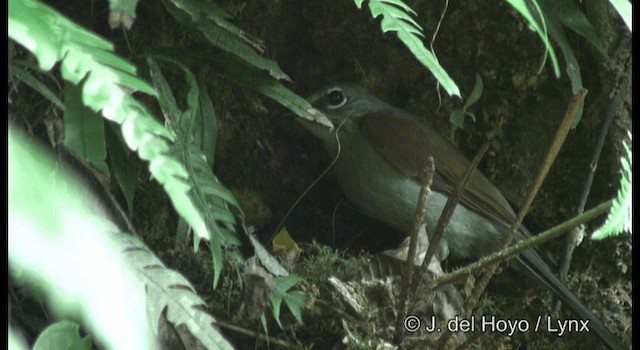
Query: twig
point(451, 204)
point(529, 243)
point(573, 238)
point(426, 178)
point(554, 148)
point(561, 134)
point(445, 217)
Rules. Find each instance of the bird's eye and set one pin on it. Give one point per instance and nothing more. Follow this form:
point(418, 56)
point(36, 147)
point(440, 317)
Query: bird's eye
point(336, 98)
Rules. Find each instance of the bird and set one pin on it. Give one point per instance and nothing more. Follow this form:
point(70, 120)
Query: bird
point(382, 150)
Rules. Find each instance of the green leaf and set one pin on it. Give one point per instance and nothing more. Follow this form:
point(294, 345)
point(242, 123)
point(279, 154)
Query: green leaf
point(521, 6)
point(271, 88)
point(471, 115)
point(475, 94)
point(567, 13)
point(108, 81)
point(295, 300)
point(16, 71)
point(210, 198)
point(167, 101)
point(121, 165)
point(62, 335)
point(84, 130)
point(396, 17)
point(268, 261)
point(620, 219)
point(170, 297)
point(572, 69)
point(275, 299)
point(212, 22)
point(457, 118)
point(571, 62)
point(285, 283)
point(206, 134)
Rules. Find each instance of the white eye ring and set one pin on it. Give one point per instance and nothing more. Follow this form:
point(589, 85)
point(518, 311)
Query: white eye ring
point(336, 98)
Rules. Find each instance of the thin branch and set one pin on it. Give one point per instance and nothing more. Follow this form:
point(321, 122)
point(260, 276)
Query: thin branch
point(451, 204)
point(445, 217)
point(554, 148)
point(529, 243)
point(558, 140)
point(426, 178)
point(573, 238)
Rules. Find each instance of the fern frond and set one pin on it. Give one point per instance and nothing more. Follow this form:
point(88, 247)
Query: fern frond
point(257, 72)
point(620, 217)
point(168, 290)
point(108, 80)
point(269, 87)
point(396, 17)
point(59, 243)
point(213, 22)
point(209, 196)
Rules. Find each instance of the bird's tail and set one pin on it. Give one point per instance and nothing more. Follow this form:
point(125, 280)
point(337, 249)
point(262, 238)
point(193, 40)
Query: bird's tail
point(533, 264)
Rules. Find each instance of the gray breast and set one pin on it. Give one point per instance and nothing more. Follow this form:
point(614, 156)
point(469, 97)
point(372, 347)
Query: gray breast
point(381, 192)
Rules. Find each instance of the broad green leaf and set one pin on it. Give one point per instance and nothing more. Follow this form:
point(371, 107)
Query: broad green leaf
point(295, 300)
point(167, 101)
point(285, 283)
point(275, 299)
point(197, 9)
point(16, 341)
point(34, 32)
point(567, 13)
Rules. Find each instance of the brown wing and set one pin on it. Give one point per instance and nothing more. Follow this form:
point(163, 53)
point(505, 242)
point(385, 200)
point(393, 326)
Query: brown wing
point(407, 144)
